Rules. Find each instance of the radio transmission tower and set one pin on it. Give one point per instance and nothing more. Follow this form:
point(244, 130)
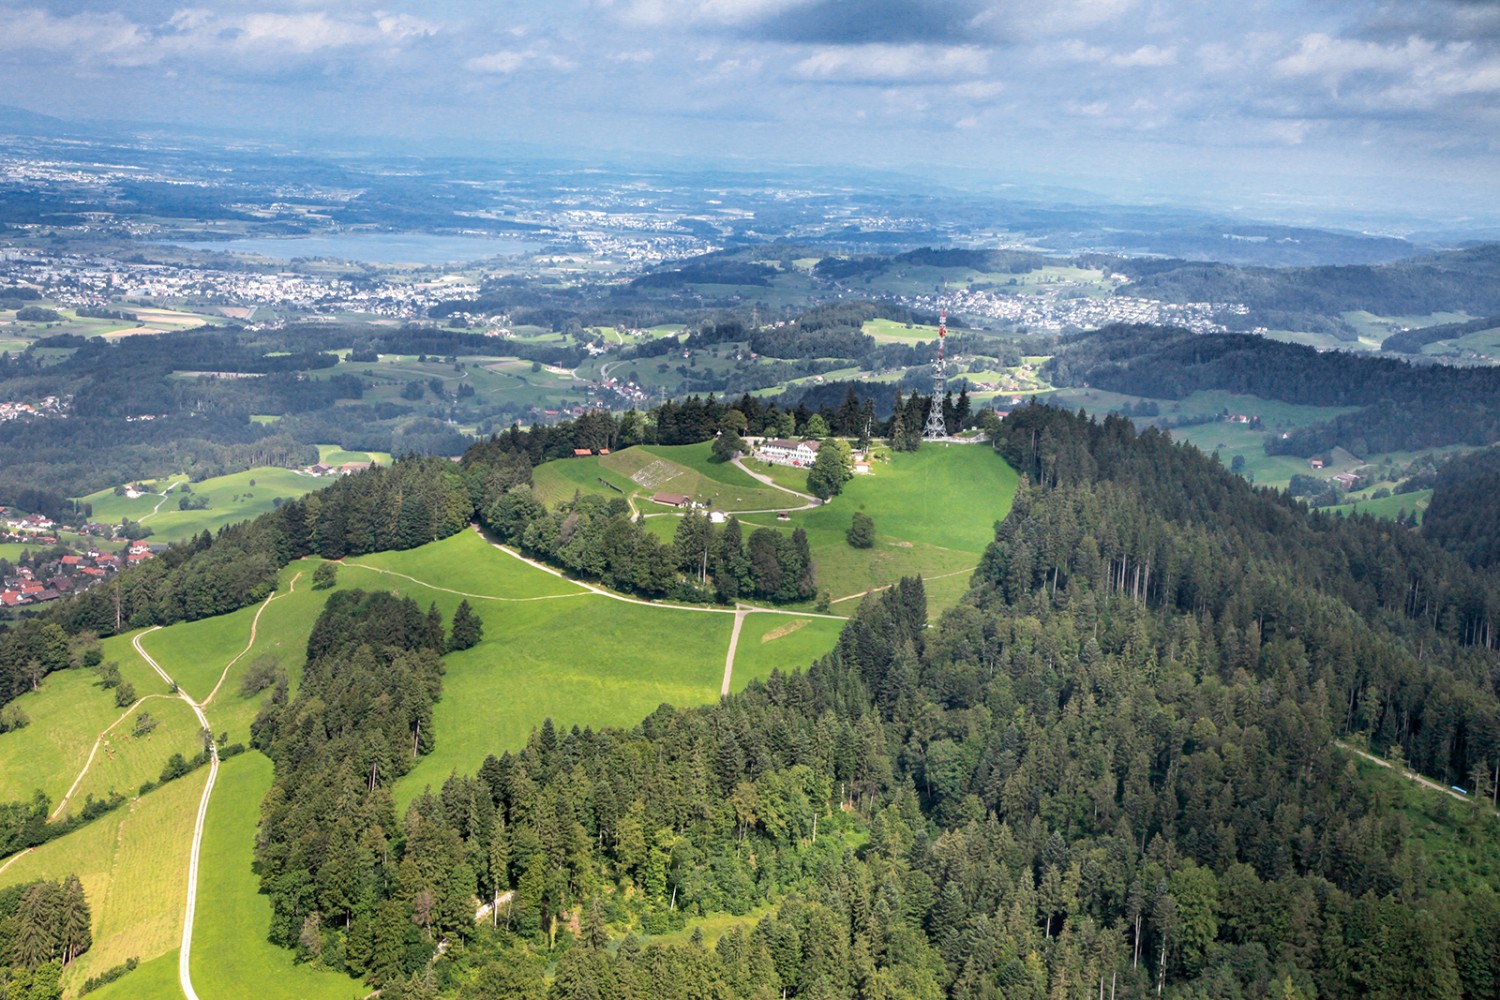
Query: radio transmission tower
point(937, 427)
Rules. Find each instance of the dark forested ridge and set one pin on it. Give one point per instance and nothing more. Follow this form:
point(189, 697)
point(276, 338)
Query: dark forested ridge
point(1452, 281)
point(1465, 511)
point(1402, 406)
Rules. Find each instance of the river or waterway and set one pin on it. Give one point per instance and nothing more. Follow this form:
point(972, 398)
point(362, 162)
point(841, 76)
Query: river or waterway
point(372, 248)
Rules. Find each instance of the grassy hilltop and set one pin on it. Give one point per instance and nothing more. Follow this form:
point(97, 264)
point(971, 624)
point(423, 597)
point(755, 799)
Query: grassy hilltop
point(552, 648)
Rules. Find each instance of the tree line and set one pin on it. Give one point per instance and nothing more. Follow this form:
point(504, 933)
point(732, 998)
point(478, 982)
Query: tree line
point(1399, 406)
point(44, 926)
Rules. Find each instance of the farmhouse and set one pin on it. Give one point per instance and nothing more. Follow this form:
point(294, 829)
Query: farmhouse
point(780, 452)
point(582, 452)
point(672, 499)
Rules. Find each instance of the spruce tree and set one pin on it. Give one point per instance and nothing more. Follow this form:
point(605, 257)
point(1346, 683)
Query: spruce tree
point(467, 629)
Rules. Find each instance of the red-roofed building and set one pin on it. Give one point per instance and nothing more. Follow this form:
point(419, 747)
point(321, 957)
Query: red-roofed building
point(582, 452)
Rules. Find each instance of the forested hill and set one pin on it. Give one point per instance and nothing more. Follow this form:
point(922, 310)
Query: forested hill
point(1453, 281)
point(1112, 766)
point(1465, 512)
point(1402, 406)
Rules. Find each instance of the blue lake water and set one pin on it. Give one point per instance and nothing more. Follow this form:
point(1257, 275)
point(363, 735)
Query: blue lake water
point(372, 248)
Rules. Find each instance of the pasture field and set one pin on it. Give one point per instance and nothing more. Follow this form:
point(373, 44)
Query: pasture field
point(648, 469)
point(889, 331)
point(782, 642)
point(231, 956)
point(125, 762)
point(231, 498)
point(153, 980)
point(133, 864)
point(555, 659)
point(68, 711)
point(1373, 329)
point(332, 454)
point(786, 476)
point(195, 655)
point(934, 510)
point(1412, 504)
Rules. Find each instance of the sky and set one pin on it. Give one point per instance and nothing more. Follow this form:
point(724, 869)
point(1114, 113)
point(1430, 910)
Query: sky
point(1316, 107)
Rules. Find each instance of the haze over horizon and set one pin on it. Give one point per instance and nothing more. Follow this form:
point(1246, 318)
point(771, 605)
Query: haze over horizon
point(1304, 111)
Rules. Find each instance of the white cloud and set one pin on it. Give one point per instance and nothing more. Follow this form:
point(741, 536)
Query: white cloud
point(512, 60)
point(978, 90)
point(1332, 58)
point(114, 40)
point(109, 36)
point(1027, 20)
point(1415, 74)
point(1146, 55)
point(865, 63)
point(722, 12)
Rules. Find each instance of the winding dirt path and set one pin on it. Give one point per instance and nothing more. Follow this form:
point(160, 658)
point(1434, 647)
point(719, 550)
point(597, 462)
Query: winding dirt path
point(184, 957)
point(812, 501)
point(254, 623)
point(16, 857)
point(98, 742)
point(464, 593)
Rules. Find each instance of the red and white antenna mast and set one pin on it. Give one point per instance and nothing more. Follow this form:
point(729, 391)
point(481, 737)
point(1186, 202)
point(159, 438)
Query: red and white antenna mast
point(937, 426)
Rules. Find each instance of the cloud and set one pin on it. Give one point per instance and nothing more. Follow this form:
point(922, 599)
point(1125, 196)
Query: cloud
point(1146, 55)
point(1415, 73)
point(508, 61)
point(108, 36)
point(883, 63)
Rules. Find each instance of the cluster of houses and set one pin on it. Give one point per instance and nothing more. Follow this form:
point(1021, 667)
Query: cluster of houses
point(29, 528)
point(347, 469)
point(15, 410)
point(56, 576)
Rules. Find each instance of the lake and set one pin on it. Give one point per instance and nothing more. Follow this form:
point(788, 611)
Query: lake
point(372, 248)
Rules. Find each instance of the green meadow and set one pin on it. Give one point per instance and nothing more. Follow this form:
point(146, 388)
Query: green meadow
point(232, 498)
point(1411, 504)
point(644, 470)
point(332, 454)
point(934, 510)
point(68, 712)
point(133, 864)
